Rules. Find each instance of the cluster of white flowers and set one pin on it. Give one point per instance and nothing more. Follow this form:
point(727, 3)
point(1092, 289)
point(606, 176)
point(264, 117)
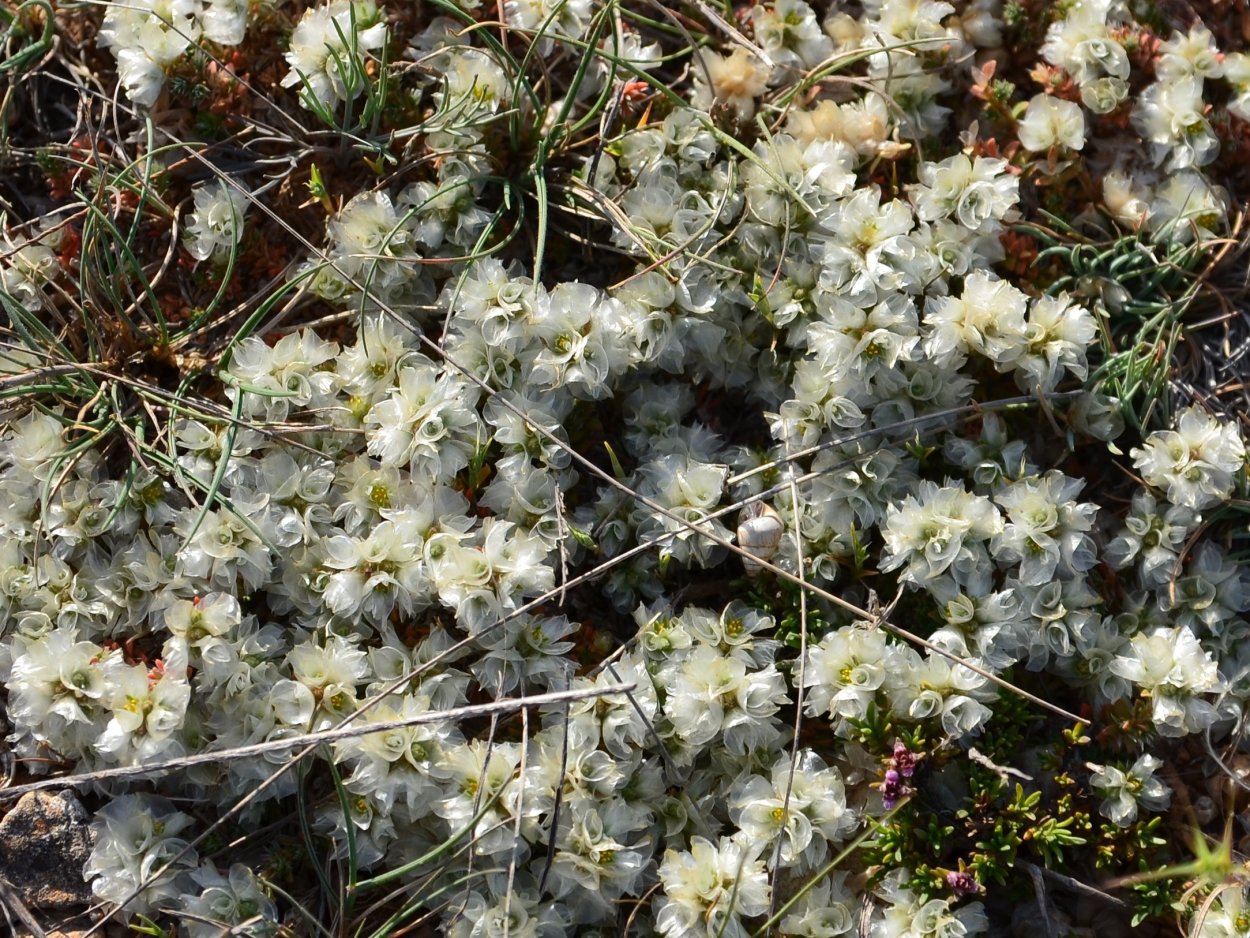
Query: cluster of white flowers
point(27, 266)
point(215, 228)
point(141, 861)
point(1083, 43)
point(1197, 463)
point(328, 49)
point(380, 524)
point(148, 36)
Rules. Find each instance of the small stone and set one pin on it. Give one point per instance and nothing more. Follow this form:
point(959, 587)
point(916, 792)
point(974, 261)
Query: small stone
point(44, 843)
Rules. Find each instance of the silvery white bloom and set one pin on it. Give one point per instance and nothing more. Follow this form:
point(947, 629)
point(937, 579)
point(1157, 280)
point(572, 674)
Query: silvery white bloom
point(1176, 671)
point(506, 906)
point(1237, 74)
point(1124, 789)
point(1058, 333)
point(228, 900)
point(134, 836)
point(428, 423)
point(978, 193)
point(1187, 54)
point(146, 37)
point(901, 913)
point(1047, 530)
point(1209, 594)
point(1153, 537)
point(287, 376)
point(1050, 122)
point(1084, 22)
point(28, 266)
point(1195, 463)
point(987, 318)
point(1227, 916)
point(801, 802)
point(790, 33)
point(690, 490)
point(708, 890)
point(714, 696)
point(1170, 115)
point(328, 47)
point(617, 723)
point(1186, 207)
point(844, 671)
point(215, 227)
point(483, 782)
point(827, 909)
point(225, 22)
point(569, 18)
point(734, 81)
point(942, 528)
point(146, 708)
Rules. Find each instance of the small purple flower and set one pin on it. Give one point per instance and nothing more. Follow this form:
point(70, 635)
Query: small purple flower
point(903, 759)
point(892, 788)
point(962, 883)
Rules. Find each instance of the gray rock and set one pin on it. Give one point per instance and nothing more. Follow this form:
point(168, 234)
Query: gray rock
point(44, 842)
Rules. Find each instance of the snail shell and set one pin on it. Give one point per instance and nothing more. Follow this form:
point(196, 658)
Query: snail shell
point(759, 534)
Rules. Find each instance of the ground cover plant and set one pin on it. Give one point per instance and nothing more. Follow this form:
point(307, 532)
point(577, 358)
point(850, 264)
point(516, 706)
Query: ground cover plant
point(587, 467)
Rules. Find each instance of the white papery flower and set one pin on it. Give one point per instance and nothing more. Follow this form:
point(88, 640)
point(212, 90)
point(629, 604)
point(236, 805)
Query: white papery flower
point(1170, 115)
point(1175, 670)
point(228, 900)
point(215, 227)
point(147, 36)
point(978, 193)
point(372, 575)
point(429, 422)
point(135, 835)
point(1186, 207)
point(942, 528)
point(987, 318)
point(733, 80)
point(1047, 530)
point(904, 915)
point(1237, 74)
point(708, 890)
point(1124, 789)
point(1058, 332)
point(1051, 121)
point(482, 781)
point(828, 909)
point(569, 18)
point(1226, 916)
point(328, 47)
point(225, 21)
point(715, 696)
point(790, 33)
point(1153, 536)
point(801, 802)
point(1188, 54)
point(690, 490)
point(1195, 463)
point(616, 722)
point(845, 671)
point(289, 375)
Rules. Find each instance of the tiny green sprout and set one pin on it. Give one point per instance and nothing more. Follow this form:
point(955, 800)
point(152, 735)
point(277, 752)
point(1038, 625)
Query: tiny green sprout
point(617, 469)
point(1076, 736)
point(317, 187)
